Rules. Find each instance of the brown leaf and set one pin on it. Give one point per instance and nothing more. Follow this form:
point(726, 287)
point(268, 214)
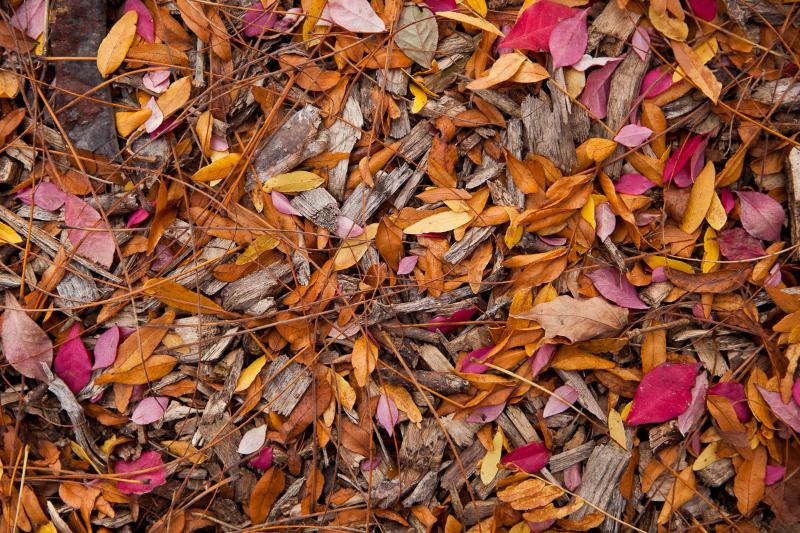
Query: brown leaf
point(714, 282)
point(178, 296)
point(749, 485)
point(25, 345)
point(264, 494)
point(578, 320)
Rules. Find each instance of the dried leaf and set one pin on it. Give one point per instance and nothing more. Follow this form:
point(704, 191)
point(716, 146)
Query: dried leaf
point(696, 71)
point(72, 362)
point(664, 393)
point(699, 200)
point(141, 475)
point(761, 215)
point(568, 40)
point(112, 51)
point(439, 223)
point(418, 35)
point(614, 286)
point(297, 181)
point(252, 440)
point(355, 15)
point(577, 320)
point(150, 410)
point(180, 297)
point(88, 232)
point(25, 345)
point(749, 485)
point(535, 26)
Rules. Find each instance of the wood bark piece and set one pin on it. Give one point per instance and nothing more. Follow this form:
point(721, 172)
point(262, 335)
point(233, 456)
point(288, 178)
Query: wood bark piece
point(364, 201)
point(342, 137)
point(421, 451)
point(249, 290)
point(464, 248)
point(585, 396)
point(601, 477)
point(793, 182)
point(438, 381)
point(286, 384)
point(613, 22)
point(547, 131)
point(564, 460)
point(319, 207)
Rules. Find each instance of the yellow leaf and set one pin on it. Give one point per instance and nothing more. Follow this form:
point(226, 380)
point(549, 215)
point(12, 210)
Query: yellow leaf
point(595, 150)
point(311, 19)
point(114, 48)
point(297, 181)
point(364, 358)
point(471, 21)
point(675, 29)
point(616, 429)
point(345, 393)
point(705, 52)
point(179, 297)
point(655, 261)
point(351, 250)
point(7, 234)
point(9, 85)
point(249, 374)
point(129, 121)
point(706, 457)
point(438, 223)
point(502, 69)
point(49, 527)
point(716, 216)
point(204, 129)
point(696, 71)
point(576, 81)
point(587, 212)
point(492, 457)
point(403, 400)
point(710, 252)
point(185, 450)
point(256, 248)
point(420, 98)
point(175, 96)
point(218, 169)
point(479, 6)
point(699, 199)
point(529, 72)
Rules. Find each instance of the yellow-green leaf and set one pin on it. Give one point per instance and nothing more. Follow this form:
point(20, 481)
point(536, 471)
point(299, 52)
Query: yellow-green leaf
point(297, 181)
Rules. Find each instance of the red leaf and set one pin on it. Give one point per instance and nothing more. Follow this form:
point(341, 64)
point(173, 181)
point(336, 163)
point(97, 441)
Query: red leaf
point(774, 474)
point(263, 460)
point(641, 42)
point(407, 265)
point(655, 82)
point(614, 286)
point(92, 237)
point(137, 217)
point(542, 358)
point(736, 244)
point(664, 393)
point(595, 92)
point(705, 9)
point(258, 19)
point(73, 364)
point(533, 28)
point(568, 40)
point(25, 345)
point(470, 364)
point(788, 413)
point(529, 458)
point(796, 391)
point(145, 26)
point(141, 482)
point(282, 204)
point(441, 5)
point(679, 160)
point(446, 324)
point(735, 393)
point(762, 216)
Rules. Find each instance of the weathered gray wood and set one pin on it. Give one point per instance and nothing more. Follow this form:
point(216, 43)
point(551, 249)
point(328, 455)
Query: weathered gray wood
point(612, 22)
point(564, 460)
point(784, 93)
point(601, 477)
point(464, 248)
point(585, 396)
point(286, 384)
point(547, 131)
point(319, 207)
point(421, 451)
point(441, 382)
point(342, 137)
point(793, 182)
point(247, 291)
point(364, 200)
point(500, 101)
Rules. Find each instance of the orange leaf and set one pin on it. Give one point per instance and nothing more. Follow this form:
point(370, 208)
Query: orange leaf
point(264, 494)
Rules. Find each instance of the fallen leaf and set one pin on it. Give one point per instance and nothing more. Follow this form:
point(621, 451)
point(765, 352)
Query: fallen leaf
point(471, 21)
point(364, 359)
point(788, 413)
point(535, 25)
point(489, 463)
point(697, 405)
point(178, 296)
point(595, 92)
point(25, 345)
point(718, 282)
point(749, 485)
point(614, 286)
point(737, 244)
point(88, 232)
point(264, 494)
point(762, 216)
point(145, 26)
point(105, 349)
point(632, 135)
point(297, 181)
point(439, 223)
point(355, 15)
point(150, 410)
point(252, 440)
point(568, 40)
point(418, 35)
point(387, 414)
point(696, 71)
point(529, 458)
point(114, 47)
point(72, 362)
point(699, 199)
point(141, 475)
point(577, 320)
point(664, 393)
point(556, 402)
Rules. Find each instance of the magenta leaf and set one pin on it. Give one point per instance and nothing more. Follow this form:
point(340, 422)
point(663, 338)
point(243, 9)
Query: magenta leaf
point(761, 216)
point(633, 184)
point(796, 391)
point(788, 413)
point(258, 19)
point(633, 135)
point(568, 40)
point(355, 15)
point(253, 440)
point(46, 195)
point(641, 42)
point(145, 26)
point(347, 228)
point(529, 458)
point(595, 92)
point(614, 286)
point(25, 345)
point(705, 9)
point(446, 324)
point(137, 217)
point(659, 275)
point(534, 26)
point(150, 410)
point(664, 393)
point(156, 81)
point(407, 265)
point(555, 405)
point(72, 363)
point(29, 17)
point(387, 414)
point(572, 476)
point(88, 231)
point(486, 414)
point(143, 475)
point(735, 244)
point(282, 204)
point(655, 82)
point(690, 417)
point(541, 358)
point(553, 241)
point(263, 460)
point(680, 158)
point(471, 363)
point(726, 197)
point(368, 465)
point(105, 350)
point(441, 5)
point(774, 474)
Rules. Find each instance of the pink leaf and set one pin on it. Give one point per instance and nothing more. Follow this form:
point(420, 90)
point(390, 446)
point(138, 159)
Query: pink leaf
point(356, 16)
point(105, 350)
point(156, 81)
point(605, 220)
point(664, 393)
point(633, 184)
point(263, 460)
point(568, 40)
point(774, 278)
point(441, 5)
point(534, 26)
point(541, 358)
point(761, 216)
point(555, 405)
point(796, 391)
point(347, 228)
point(150, 410)
point(137, 217)
point(46, 195)
point(655, 82)
point(529, 458)
point(163, 258)
point(407, 265)
point(88, 231)
point(614, 286)
point(30, 18)
point(736, 244)
point(553, 241)
point(633, 135)
point(258, 19)
point(680, 158)
point(218, 143)
point(282, 204)
point(368, 465)
point(144, 474)
point(541, 527)
point(145, 26)
point(595, 92)
point(446, 324)
point(789, 413)
point(486, 414)
point(659, 275)
point(690, 417)
point(72, 363)
point(641, 42)
point(156, 116)
point(572, 476)
point(387, 414)
point(726, 197)
point(253, 440)
point(287, 20)
point(774, 474)
point(471, 363)
point(25, 345)
point(705, 9)
point(586, 62)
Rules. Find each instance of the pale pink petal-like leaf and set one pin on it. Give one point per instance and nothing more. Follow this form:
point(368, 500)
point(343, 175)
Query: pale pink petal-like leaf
point(156, 81)
point(446, 324)
point(659, 275)
point(253, 440)
point(288, 19)
point(88, 231)
point(553, 241)
point(144, 474)
point(471, 364)
point(726, 197)
point(644, 218)
point(641, 42)
point(614, 286)
point(774, 474)
point(705, 9)
point(25, 345)
point(72, 363)
point(137, 217)
point(762, 216)
point(46, 195)
point(347, 228)
point(529, 458)
point(788, 413)
point(595, 92)
point(105, 349)
point(156, 116)
point(150, 410)
point(356, 16)
point(555, 405)
point(486, 414)
point(633, 135)
point(407, 265)
point(441, 5)
point(387, 413)
point(586, 62)
point(145, 27)
point(697, 406)
point(775, 277)
point(605, 220)
point(541, 358)
point(568, 40)
point(282, 204)
point(29, 17)
point(258, 19)
point(535, 25)
point(263, 460)
point(735, 244)
point(664, 393)
point(633, 184)
point(218, 143)
point(655, 82)
point(572, 476)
